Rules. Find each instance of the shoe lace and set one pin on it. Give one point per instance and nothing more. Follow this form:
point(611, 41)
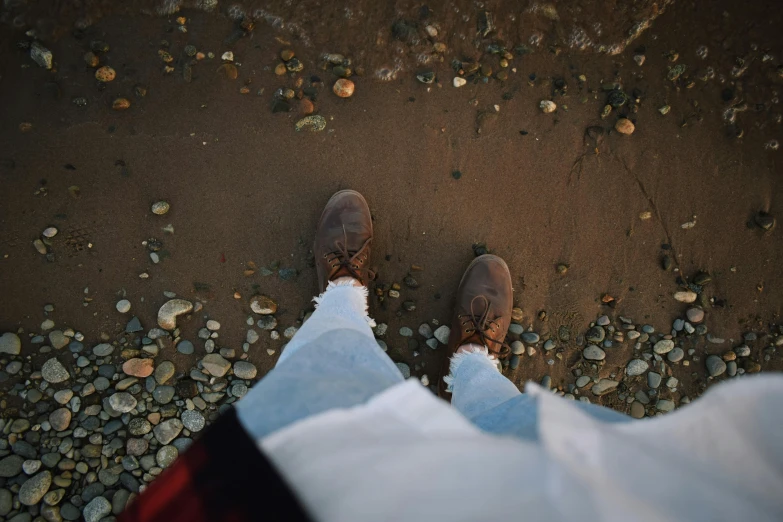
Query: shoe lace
point(481, 325)
point(353, 263)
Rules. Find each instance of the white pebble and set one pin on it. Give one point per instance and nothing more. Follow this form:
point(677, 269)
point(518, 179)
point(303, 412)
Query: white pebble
point(459, 81)
point(123, 306)
point(547, 106)
point(228, 56)
point(213, 325)
point(160, 207)
point(50, 232)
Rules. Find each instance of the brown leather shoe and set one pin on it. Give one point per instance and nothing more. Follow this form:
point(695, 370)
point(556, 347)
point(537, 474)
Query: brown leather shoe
point(482, 311)
point(342, 240)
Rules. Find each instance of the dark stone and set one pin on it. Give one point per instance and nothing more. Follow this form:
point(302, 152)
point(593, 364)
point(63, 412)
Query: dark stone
point(186, 388)
point(287, 274)
point(129, 482)
point(93, 490)
point(24, 449)
point(107, 370)
point(134, 325)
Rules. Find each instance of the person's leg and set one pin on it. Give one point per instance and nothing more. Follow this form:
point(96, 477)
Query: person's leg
point(494, 404)
point(472, 381)
point(333, 361)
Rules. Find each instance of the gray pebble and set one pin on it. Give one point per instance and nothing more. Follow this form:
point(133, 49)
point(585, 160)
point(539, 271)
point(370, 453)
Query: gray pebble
point(593, 353)
point(648, 329)
point(636, 367)
point(245, 370)
point(442, 334)
point(166, 456)
point(516, 329)
point(10, 344)
point(406, 332)
point(517, 348)
point(54, 372)
point(742, 351)
point(185, 347)
point(96, 509)
point(595, 335)
point(663, 346)
point(676, 355)
point(654, 380)
point(678, 325)
point(33, 490)
point(583, 381)
point(122, 402)
point(715, 365)
point(604, 386)
point(603, 320)
point(530, 337)
point(11, 466)
point(731, 368)
point(163, 394)
point(405, 370)
point(193, 420)
point(425, 331)
point(549, 345)
point(664, 405)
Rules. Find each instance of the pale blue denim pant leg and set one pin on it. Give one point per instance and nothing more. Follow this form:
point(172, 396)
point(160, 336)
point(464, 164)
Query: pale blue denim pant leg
point(334, 361)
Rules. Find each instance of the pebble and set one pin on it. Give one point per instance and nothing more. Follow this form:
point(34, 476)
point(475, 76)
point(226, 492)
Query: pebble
point(547, 106)
point(167, 430)
point(593, 353)
point(213, 325)
point(263, 305)
point(160, 207)
point(742, 351)
point(678, 325)
point(583, 381)
point(425, 331)
point(442, 334)
point(102, 350)
point(672, 382)
point(166, 456)
point(185, 347)
point(215, 364)
point(10, 344)
point(653, 380)
point(459, 82)
point(695, 315)
point(405, 370)
point(715, 366)
point(431, 342)
point(343, 88)
point(731, 368)
point(406, 332)
point(517, 348)
point(312, 123)
point(122, 402)
point(252, 336)
point(96, 509)
point(664, 405)
point(138, 367)
point(516, 329)
point(624, 126)
point(49, 232)
point(596, 334)
point(686, 296)
point(60, 419)
point(663, 346)
point(604, 386)
point(676, 355)
point(193, 420)
point(54, 372)
point(244, 370)
point(11, 466)
point(636, 367)
point(105, 74)
point(163, 394)
point(531, 351)
point(41, 55)
point(58, 339)
point(289, 332)
point(33, 490)
point(168, 313)
point(530, 338)
point(637, 410)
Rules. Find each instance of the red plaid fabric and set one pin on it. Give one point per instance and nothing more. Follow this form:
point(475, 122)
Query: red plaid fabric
point(222, 476)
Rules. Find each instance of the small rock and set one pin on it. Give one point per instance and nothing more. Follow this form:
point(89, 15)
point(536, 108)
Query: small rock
point(624, 126)
point(33, 490)
point(459, 81)
point(664, 405)
point(41, 55)
point(244, 370)
point(263, 305)
point(547, 106)
point(49, 232)
point(406, 332)
point(442, 334)
point(123, 306)
point(637, 410)
point(636, 367)
point(168, 313)
point(517, 348)
point(583, 381)
point(138, 367)
point(60, 419)
point(168, 430)
point(215, 364)
point(122, 402)
point(596, 334)
point(715, 366)
point(54, 372)
point(604, 386)
point(593, 353)
point(663, 346)
point(530, 338)
point(425, 331)
point(653, 380)
point(160, 207)
point(676, 355)
point(312, 123)
point(405, 370)
point(11, 466)
point(213, 325)
point(10, 343)
point(731, 368)
point(96, 509)
point(193, 420)
point(343, 88)
point(686, 296)
point(58, 339)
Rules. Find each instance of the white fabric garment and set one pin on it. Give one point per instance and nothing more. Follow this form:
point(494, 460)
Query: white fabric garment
point(406, 455)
